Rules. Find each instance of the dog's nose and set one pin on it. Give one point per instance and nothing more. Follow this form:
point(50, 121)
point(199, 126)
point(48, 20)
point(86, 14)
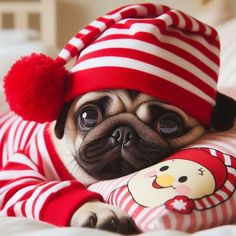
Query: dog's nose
point(124, 134)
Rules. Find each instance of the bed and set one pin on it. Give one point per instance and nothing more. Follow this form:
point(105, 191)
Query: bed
point(22, 40)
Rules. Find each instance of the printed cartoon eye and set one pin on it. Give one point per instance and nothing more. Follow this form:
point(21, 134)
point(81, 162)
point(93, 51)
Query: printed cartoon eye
point(170, 125)
point(89, 116)
point(163, 168)
point(201, 171)
point(183, 179)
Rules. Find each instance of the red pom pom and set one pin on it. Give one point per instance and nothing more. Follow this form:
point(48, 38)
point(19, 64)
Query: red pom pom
point(34, 88)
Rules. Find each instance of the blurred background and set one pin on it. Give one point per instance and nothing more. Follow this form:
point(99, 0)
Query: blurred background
point(46, 25)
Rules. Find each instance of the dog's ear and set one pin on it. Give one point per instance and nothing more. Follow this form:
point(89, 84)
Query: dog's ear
point(224, 112)
point(61, 120)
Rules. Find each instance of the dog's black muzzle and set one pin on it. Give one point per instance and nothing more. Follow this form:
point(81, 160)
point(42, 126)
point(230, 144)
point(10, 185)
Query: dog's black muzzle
point(121, 152)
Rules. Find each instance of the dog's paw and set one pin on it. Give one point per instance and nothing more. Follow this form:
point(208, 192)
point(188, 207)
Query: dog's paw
point(103, 216)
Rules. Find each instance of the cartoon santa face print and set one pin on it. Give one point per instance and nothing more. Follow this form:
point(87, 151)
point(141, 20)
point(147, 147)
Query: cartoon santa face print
point(155, 185)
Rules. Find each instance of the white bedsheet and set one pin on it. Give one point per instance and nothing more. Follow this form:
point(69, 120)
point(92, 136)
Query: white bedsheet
point(27, 227)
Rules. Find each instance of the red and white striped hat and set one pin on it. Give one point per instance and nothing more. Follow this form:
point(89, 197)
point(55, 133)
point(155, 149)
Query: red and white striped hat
point(146, 47)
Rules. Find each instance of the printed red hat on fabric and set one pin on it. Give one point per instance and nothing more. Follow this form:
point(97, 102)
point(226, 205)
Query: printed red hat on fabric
point(223, 168)
point(146, 47)
point(203, 157)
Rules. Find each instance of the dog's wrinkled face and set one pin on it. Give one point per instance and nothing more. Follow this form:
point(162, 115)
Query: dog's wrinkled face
point(116, 132)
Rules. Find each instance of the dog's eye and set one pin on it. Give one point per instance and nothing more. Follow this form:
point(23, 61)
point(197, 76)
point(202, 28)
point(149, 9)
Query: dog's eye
point(170, 125)
point(89, 116)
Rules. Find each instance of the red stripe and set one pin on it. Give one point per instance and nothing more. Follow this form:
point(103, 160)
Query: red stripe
point(136, 212)
point(43, 190)
point(29, 135)
point(129, 204)
point(16, 142)
point(72, 49)
point(174, 17)
point(181, 52)
point(100, 78)
point(156, 61)
point(160, 24)
point(121, 200)
point(39, 157)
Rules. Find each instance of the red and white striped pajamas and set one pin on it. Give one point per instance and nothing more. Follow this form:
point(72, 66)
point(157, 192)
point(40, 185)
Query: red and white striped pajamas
point(34, 183)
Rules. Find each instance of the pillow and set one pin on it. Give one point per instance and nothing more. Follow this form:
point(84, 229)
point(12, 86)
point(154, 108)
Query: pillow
point(191, 190)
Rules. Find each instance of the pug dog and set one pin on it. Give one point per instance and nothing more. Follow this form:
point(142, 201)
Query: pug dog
point(108, 134)
point(114, 111)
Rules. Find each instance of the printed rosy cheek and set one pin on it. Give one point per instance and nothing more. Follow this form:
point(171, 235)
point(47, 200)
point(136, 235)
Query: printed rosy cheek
point(150, 173)
point(183, 189)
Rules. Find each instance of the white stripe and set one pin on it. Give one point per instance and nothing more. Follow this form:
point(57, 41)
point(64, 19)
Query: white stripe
point(141, 10)
point(198, 223)
point(18, 208)
point(195, 24)
point(206, 202)
point(13, 174)
point(153, 50)
point(18, 134)
point(230, 210)
point(22, 159)
point(152, 216)
point(33, 153)
point(49, 169)
point(84, 31)
point(5, 126)
point(120, 196)
point(186, 222)
point(6, 117)
point(126, 201)
point(209, 217)
point(12, 185)
point(220, 216)
point(215, 199)
point(25, 135)
point(155, 31)
point(232, 171)
point(133, 208)
point(113, 200)
point(116, 16)
point(227, 160)
point(144, 67)
point(213, 152)
point(166, 19)
point(182, 22)
point(99, 25)
point(142, 215)
point(45, 195)
point(16, 197)
point(30, 202)
point(11, 140)
point(5, 155)
point(197, 38)
point(65, 54)
point(229, 186)
point(76, 42)
point(159, 9)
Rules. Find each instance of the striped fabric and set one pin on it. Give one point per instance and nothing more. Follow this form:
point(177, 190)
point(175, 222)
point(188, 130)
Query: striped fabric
point(150, 48)
point(33, 181)
point(210, 211)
